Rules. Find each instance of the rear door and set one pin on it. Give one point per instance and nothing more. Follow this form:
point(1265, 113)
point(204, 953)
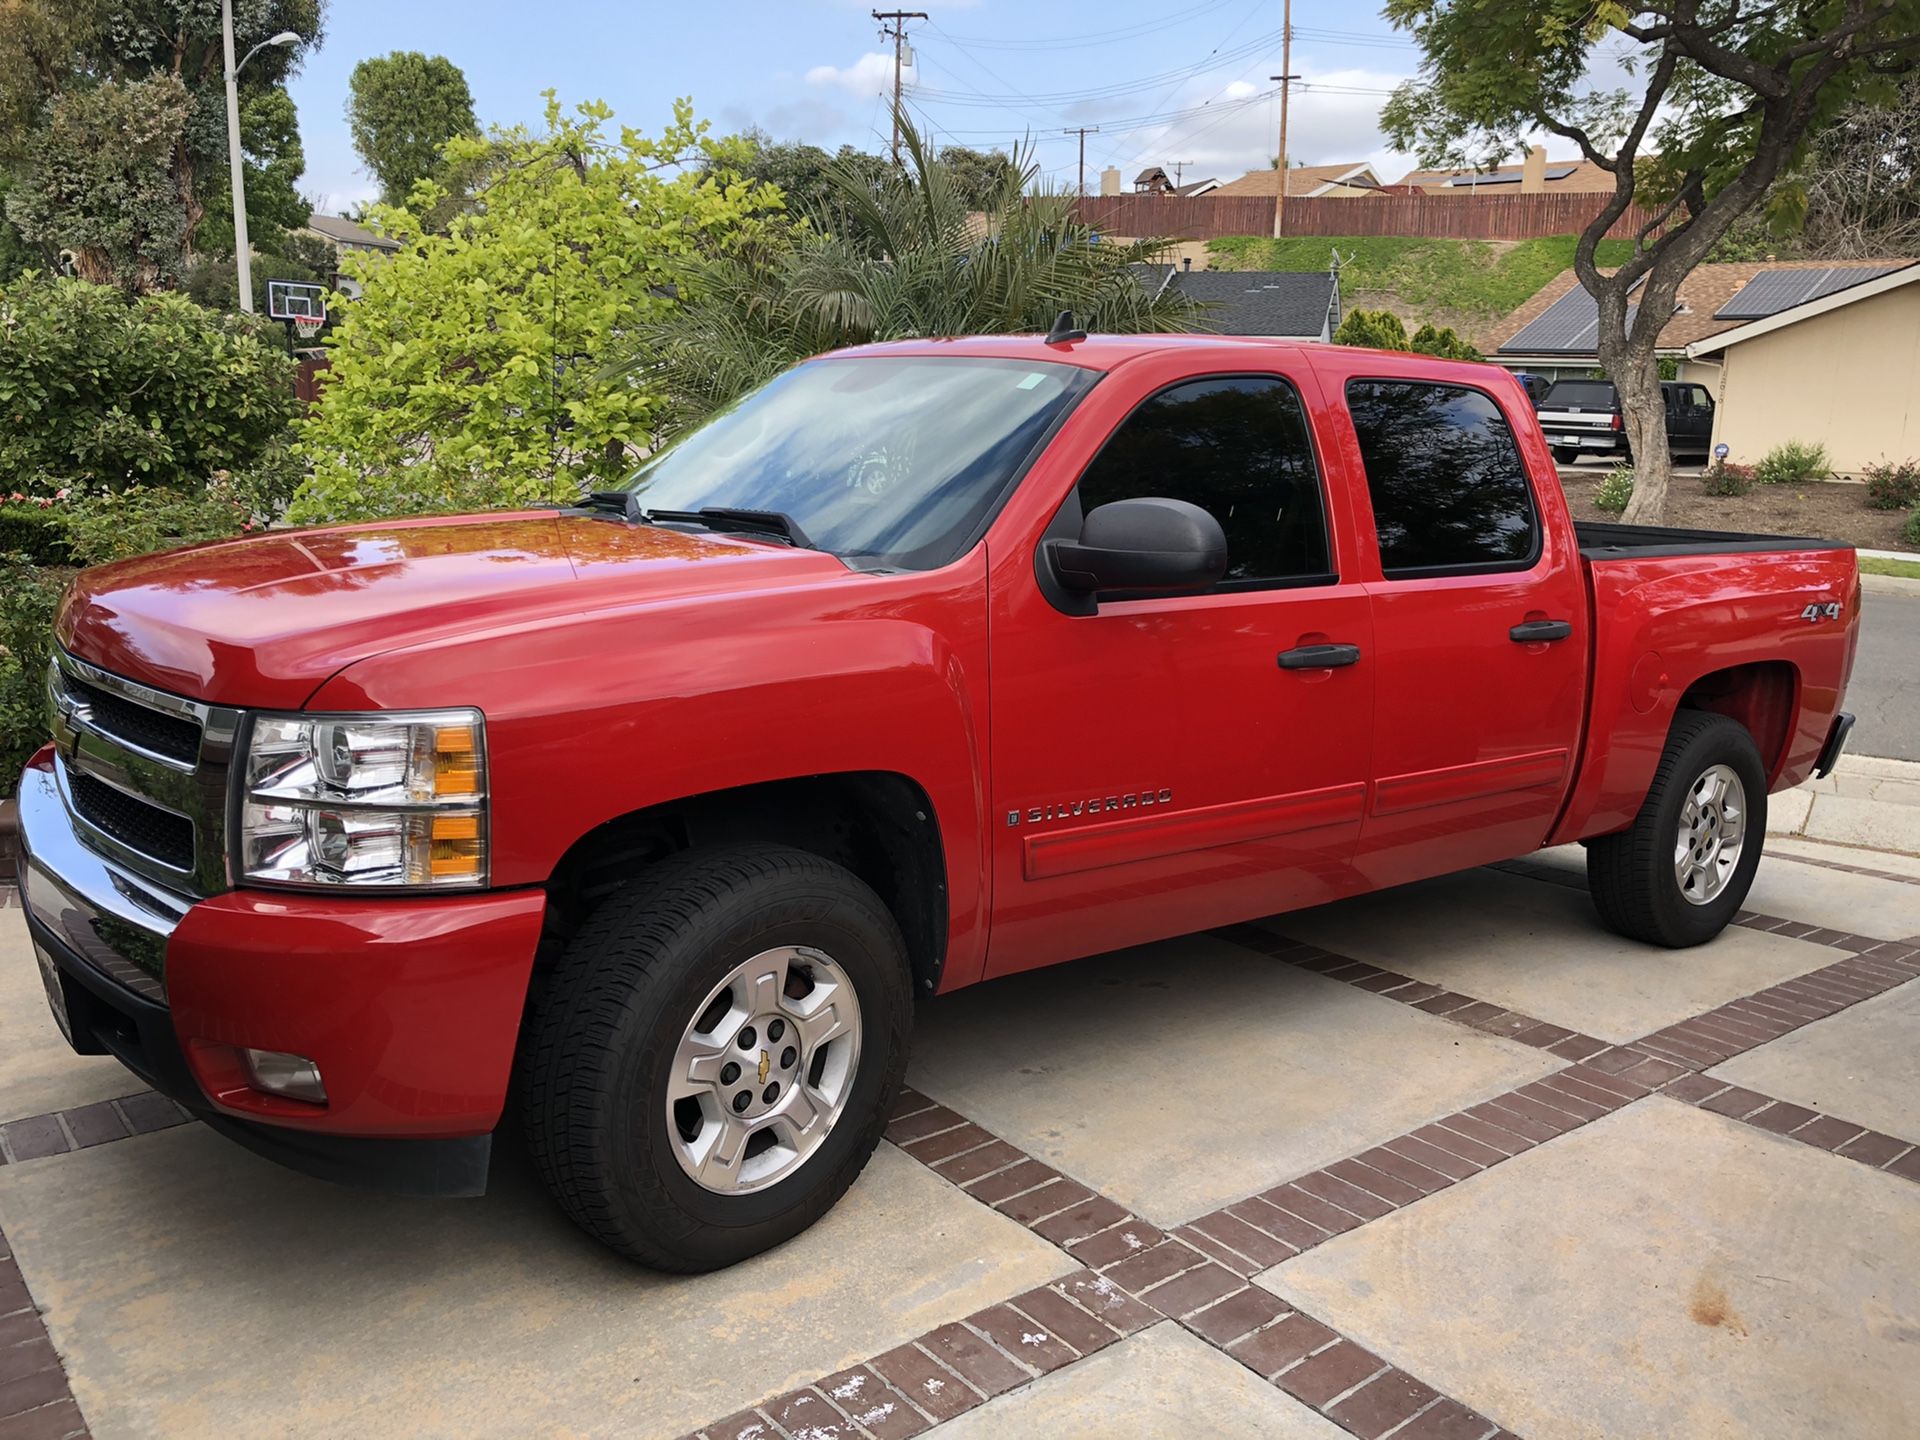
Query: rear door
point(1157, 767)
point(1480, 630)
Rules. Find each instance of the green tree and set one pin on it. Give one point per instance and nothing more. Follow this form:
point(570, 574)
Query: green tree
point(96, 182)
point(402, 109)
point(1372, 330)
point(906, 259)
point(101, 391)
point(17, 253)
point(980, 176)
point(473, 371)
point(1725, 96)
point(55, 53)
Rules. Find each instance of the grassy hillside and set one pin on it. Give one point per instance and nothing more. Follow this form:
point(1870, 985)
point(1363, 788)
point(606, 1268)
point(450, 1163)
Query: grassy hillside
point(1470, 284)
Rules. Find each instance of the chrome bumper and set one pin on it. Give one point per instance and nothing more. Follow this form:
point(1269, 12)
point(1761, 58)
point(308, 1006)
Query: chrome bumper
point(115, 920)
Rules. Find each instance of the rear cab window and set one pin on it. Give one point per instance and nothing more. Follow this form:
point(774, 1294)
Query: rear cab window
point(1450, 492)
point(1586, 394)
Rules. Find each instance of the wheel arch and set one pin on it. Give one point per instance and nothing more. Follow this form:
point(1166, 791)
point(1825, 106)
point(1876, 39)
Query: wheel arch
point(880, 825)
point(1763, 696)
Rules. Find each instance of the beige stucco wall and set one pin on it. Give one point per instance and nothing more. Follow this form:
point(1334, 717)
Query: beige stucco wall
point(1849, 379)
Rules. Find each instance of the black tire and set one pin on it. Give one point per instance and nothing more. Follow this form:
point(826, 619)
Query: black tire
point(602, 1028)
point(1631, 875)
point(1564, 455)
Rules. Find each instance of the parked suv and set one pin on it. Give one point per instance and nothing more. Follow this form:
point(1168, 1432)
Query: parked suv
point(1582, 417)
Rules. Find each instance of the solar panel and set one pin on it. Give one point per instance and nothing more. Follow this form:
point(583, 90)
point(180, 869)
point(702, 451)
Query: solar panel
point(1772, 291)
point(1509, 177)
point(1569, 326)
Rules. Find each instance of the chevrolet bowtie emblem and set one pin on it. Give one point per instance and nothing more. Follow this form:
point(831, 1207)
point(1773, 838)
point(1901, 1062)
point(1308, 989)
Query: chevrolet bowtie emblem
point(766, 1064)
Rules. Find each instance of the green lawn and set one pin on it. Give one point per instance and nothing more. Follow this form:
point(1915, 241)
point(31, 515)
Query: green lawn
point(1876, 565)
point(1476, 281)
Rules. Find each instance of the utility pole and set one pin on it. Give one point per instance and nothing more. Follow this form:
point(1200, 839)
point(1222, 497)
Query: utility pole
point(242, 256)
point(1179, 171)
point(1286, 77)
point(1082, 131)
point(899, 33)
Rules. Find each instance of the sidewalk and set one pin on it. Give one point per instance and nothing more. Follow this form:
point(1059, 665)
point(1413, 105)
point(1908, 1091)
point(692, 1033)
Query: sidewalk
point(1866, 813)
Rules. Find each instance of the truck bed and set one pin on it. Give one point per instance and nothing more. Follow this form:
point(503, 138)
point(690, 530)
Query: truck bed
point(1606, 540)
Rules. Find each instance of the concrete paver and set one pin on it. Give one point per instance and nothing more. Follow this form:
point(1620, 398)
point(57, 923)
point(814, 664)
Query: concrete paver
point(1862, 1065)
point(1540, 949)
point(1180, 1076)
point(38, 1069)
point(1664, 1271)
point(1860, 904)
point(196, 1290)
point(1162, 1384)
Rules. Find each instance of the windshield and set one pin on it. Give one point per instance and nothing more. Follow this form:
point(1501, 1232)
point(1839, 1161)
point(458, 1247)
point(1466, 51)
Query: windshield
point(1588, 394)
point(886, 461)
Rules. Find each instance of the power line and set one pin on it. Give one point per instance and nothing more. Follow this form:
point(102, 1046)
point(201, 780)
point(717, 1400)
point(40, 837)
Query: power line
point(1087, 40)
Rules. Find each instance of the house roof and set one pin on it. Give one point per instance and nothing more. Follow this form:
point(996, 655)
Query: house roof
point(1561, 318)
point(1891, 278)
point(1288, 304)
point(1302, 180)
point(347, 232)
point(1197, 187)
point(1569, 175)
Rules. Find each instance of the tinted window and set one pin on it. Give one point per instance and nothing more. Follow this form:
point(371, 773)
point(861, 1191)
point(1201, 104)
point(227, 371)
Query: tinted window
point(1587, 394)
point(1238, 448)
point(1698, 397)
point(1447, 484)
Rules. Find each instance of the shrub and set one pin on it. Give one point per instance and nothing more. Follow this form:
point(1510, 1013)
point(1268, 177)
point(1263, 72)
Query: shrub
point(1443, 342)
point(1893, 485)
point(29, 595)
point(139, 521)
point(1613, 493)
point(34, 526)
point(1726, 478)
point(99, 391)
point(1793, 462)
point(1910, 532)
point(1373, 329)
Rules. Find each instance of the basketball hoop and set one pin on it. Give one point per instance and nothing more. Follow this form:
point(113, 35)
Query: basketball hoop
point(307, 326)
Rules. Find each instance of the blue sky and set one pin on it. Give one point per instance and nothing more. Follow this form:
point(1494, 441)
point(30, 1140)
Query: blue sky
point(1165, 83)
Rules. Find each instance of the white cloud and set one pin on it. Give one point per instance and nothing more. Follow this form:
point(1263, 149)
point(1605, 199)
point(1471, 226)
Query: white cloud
point(871, 74)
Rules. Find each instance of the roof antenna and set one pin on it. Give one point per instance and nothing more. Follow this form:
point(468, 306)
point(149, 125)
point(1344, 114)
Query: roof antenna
point(1064, 331)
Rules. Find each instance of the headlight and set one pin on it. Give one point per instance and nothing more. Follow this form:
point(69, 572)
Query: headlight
point(373, 800)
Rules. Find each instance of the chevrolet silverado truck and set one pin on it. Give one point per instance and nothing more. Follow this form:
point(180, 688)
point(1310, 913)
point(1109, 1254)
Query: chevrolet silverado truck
point(652, 816)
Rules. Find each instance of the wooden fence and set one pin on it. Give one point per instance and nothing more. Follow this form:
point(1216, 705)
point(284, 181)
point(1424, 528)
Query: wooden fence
point(1451, 217)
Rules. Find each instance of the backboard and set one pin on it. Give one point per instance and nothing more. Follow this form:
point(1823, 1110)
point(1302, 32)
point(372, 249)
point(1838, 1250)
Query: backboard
point(296, 300)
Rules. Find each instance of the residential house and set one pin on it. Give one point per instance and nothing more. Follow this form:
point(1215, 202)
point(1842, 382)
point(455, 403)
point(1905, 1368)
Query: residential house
point(344, 234)
point(1535, 175)
point(1155, 181)
point(1556, 332)
point(1305, 182)
point(1276, 304)
point(1839, 365)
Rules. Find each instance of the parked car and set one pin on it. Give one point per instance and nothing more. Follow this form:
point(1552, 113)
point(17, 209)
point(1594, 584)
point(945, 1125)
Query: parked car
point(923, 664)
point(1536, 386)
point(1582, 417)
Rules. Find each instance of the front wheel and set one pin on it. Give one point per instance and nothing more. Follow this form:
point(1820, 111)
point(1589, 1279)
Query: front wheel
point(710, 1065)
point(1677, 876)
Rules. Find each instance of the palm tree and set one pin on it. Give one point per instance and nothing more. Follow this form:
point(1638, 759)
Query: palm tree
point(897, 257)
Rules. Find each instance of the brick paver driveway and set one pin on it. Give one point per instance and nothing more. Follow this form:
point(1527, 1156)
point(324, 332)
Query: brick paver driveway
point(1443, 1162)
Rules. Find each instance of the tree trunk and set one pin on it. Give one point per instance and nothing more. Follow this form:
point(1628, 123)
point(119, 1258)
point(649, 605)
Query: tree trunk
point(1643, 410)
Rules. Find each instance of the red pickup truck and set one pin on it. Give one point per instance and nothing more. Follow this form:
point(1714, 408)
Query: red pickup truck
point(926, 663)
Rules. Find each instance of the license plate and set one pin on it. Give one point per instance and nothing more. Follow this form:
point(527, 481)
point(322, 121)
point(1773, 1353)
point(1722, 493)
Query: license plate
point(56, 990)
point(1566, 439)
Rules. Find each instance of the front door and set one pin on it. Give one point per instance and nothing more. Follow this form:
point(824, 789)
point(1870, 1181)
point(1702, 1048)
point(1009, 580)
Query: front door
point(1157, 767)
point(1480, 634)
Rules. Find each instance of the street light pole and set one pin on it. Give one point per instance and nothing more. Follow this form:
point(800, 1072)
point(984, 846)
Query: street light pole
point(242, 248)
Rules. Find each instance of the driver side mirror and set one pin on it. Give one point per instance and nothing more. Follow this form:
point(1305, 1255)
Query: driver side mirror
point(1145, 544)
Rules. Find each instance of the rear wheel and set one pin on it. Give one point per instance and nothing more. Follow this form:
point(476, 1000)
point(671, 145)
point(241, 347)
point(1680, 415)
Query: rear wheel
point(1565, 455)
point(1678, 875)
point(710, 1065)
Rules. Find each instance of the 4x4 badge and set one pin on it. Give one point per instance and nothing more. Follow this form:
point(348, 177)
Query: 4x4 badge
point(1815, 613)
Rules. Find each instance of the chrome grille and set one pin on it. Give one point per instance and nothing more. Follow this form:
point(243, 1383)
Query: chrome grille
point(144, 774)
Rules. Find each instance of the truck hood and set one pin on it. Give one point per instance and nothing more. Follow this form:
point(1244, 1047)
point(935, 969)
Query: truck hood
point(265, 621)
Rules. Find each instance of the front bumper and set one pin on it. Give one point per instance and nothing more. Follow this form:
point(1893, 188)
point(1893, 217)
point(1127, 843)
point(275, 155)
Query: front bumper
point(410, 1007)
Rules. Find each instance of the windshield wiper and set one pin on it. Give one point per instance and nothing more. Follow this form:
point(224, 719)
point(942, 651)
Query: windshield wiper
point(775, 523)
